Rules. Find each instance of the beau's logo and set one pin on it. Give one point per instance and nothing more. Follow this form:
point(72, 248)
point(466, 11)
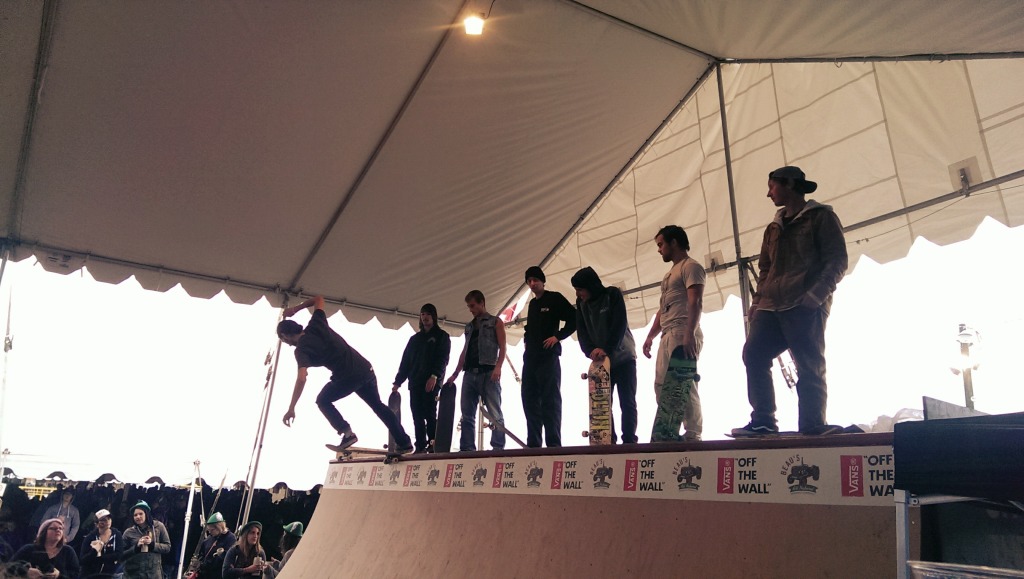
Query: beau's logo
point(479, 474)
point(393, 477)
point(533, 474)
point(685, 473)
point(799, 473)
point(361, 477)
point(602, 475)
point(432, 475)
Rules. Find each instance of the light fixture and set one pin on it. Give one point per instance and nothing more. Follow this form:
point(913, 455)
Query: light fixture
point(474, 24)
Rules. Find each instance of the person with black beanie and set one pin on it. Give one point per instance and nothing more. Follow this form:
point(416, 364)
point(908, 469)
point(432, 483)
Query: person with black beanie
point(542, 371)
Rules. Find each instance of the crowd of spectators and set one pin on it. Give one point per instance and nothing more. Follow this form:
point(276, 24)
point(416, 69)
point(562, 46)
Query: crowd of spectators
point(76, 505)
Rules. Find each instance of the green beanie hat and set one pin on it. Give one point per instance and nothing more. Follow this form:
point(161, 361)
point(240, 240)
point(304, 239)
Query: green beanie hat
point(215, 518)
point(295, 528)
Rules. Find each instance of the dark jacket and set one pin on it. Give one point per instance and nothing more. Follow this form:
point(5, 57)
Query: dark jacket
point(425, 355)
point(601, 321)
point(235, 561)
point(148, 564)
point(106, 560)
point(544, 316)
point(807, 256)
point(212, 553)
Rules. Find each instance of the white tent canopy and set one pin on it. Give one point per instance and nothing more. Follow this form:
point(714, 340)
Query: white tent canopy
point(374, 153)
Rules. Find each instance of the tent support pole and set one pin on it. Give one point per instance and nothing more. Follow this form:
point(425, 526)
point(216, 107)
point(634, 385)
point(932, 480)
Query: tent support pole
point(744, 288)
point(966, 192)
point(264, 418)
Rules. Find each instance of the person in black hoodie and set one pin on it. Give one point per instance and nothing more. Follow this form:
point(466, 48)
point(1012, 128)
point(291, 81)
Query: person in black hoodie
point(424, 363)
point(101, 549)
point(603, 331)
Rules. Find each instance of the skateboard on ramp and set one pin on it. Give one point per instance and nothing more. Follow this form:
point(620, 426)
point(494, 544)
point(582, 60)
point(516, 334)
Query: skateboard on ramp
point(599, 384)
point(492, 424)
point(832, 430)
point(395, 405)
point(355, 452)
point(445, 418)
point(675, 393)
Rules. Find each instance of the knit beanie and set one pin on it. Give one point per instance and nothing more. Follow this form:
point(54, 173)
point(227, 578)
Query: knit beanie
point(535, 272)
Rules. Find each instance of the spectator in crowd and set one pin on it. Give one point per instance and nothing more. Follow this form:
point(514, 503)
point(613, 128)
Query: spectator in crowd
point(246, 558)
point(144, 543)
point(66, 512)
point(214, 548)
point(289, 540)
point(101, 549)
point(49, 556)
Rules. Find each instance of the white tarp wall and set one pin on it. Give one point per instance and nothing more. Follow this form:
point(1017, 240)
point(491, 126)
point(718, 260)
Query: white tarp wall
point(876, 136)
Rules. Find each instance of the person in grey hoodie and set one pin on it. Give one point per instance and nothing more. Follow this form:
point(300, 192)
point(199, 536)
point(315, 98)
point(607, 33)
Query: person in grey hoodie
point(603, 331)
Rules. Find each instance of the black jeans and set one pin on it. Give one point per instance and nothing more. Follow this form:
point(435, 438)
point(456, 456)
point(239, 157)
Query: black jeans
point(365, 388)
point(424, 410)
point(624, 381)
point(542, 399)
point(801, 331)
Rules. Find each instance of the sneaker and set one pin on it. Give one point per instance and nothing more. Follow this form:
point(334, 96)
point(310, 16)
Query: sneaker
point(405, 449)
point(347, 440)
point(752, 429)
point(689, 436)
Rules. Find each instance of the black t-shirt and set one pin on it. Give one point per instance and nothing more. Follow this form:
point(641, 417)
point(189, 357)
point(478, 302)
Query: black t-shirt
point(322, 346)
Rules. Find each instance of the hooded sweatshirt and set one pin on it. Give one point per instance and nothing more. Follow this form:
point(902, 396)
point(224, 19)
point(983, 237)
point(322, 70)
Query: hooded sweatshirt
point(601, 321)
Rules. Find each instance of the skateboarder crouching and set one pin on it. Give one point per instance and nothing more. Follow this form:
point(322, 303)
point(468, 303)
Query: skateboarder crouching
point(603, 331)
point(481, 358)
point(424, 362)
point(318, 345)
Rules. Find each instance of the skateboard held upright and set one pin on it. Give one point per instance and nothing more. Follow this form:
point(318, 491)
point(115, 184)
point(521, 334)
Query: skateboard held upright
point(599, 384)
point(675, 393)
point(445, 418)
point(395, 405)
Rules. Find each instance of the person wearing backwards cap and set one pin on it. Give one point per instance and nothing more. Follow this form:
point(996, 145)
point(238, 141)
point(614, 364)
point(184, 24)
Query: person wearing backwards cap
point(542, 371)
point(101, 549)
point(213, 549)
point(246, 558)
point(424, 362)
point(145, 543)
point(803, 257)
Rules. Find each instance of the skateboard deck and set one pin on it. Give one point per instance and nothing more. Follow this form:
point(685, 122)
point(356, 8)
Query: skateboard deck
point(836, 429)
point(599, 384)
point(395, 405)
point(500, 426)
point(354, 452)
point(445, 418)
point(675, 394)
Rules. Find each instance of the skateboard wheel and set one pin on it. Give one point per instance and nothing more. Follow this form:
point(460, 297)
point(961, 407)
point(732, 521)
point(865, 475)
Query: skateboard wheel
point(586, 434)
point(583, 376)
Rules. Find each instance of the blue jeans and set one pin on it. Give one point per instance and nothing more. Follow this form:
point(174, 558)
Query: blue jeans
point(477, 386)
point(802, 331)
point(365, 388)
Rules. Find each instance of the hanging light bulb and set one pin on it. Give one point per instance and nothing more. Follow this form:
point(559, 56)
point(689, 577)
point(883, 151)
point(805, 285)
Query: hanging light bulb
point(474, 24)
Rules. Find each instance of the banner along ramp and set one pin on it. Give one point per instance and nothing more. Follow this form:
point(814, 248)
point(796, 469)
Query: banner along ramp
point(531, 515)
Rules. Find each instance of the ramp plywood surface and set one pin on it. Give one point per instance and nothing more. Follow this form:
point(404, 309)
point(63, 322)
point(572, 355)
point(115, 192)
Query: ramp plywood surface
point(389, 534)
